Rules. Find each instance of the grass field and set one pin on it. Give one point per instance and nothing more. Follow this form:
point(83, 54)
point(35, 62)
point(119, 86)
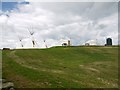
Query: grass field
point(57, 67)
point(0, 68)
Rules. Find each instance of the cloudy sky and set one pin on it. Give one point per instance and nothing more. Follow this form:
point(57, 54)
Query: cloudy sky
point(56, 22)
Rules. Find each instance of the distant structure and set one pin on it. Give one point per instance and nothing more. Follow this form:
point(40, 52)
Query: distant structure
point(6, 48)
point(45, 44)
point(108, 42)
point(91, 43)
point(69, 44)
point(30, 29)
point(87, 44)
point(66, 43)
point(21, 42)
point(20, 39)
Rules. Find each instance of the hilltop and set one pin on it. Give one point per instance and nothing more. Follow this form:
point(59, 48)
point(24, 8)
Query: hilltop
point(75, 67)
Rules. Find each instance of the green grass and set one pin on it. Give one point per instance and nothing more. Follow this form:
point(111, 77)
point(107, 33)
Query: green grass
point(68, 67)
point(0, 65)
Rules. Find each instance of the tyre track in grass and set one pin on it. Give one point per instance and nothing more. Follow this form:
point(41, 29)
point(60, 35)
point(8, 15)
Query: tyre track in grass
point(23, 63)
point(22, 81)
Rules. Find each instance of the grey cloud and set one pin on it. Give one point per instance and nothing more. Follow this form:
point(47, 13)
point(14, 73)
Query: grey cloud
point(102, 9)
point(91, 10)
point(101, 26)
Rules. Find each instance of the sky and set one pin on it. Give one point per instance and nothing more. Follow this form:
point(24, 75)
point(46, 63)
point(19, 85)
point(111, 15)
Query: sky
point(57, 22)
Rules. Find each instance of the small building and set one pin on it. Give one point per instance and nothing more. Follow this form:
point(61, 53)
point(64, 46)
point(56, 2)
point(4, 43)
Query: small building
point(6, 48)
point(64, 44)
point(108, 42)
point(87, 44)
point(69, 44)
point(91, 43)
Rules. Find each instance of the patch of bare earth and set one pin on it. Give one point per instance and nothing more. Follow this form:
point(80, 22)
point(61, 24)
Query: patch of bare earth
point(89, 68)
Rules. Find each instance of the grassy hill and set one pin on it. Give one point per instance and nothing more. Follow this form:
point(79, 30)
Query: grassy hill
point(76, 67)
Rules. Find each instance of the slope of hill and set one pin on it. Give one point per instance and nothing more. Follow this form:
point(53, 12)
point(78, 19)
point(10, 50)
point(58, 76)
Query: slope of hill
point(75, 67)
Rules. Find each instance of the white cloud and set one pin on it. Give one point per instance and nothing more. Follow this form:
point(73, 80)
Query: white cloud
point(53, 21)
